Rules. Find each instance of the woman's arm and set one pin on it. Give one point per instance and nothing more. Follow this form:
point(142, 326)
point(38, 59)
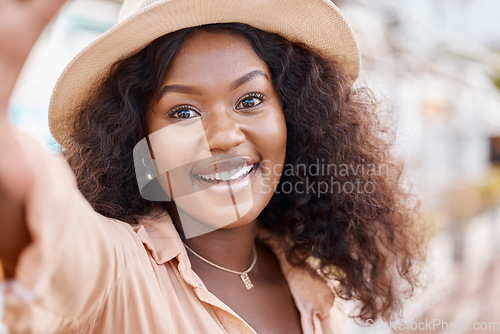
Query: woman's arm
point(62, 256)
point(21, 22)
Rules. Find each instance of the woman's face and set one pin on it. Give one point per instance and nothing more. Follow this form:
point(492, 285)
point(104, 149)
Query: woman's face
point(217, 132)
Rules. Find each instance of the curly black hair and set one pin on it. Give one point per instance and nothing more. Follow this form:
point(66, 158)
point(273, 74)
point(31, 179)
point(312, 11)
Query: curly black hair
point(362, 231)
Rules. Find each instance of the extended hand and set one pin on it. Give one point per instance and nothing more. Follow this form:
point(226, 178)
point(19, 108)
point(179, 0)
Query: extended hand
point(21, 22)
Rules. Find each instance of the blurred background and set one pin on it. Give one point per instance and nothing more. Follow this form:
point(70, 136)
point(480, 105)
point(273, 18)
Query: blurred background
point(437, 64)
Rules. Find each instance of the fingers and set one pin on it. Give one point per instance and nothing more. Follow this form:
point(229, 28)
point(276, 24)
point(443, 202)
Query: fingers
point(41, 11)
point(21, 23)
point(44, 10)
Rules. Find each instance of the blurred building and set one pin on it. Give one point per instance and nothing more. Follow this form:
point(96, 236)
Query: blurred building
point(440, 81)
point(437, 63)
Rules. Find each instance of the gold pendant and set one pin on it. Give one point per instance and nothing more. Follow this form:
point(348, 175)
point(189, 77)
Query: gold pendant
point(246, 280)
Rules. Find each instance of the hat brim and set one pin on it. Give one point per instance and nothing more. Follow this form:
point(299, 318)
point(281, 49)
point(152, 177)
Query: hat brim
point(315, 23)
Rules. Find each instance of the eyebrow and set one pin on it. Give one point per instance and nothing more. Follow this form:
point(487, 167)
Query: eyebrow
point(182, 89)
point(185, 89)
point(247, 77)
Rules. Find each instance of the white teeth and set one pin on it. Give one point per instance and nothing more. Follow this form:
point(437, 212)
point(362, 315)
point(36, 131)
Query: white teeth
point(244, 170)
point(226, 176)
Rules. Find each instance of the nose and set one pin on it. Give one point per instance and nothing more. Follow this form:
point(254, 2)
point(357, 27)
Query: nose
point(223, 131)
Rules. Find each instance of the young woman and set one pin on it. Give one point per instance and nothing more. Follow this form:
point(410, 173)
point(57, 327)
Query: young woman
point(229, 179)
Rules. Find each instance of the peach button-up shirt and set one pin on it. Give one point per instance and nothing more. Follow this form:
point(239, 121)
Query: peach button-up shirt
point(85, 273)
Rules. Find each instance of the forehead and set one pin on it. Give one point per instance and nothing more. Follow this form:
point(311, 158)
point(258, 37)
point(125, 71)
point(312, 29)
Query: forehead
point(213, 56)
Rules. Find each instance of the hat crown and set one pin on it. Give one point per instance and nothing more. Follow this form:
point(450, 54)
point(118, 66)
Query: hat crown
point(131, 6)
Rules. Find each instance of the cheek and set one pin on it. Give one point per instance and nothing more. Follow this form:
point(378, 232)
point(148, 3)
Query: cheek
point(269, 139)
point(269, 136)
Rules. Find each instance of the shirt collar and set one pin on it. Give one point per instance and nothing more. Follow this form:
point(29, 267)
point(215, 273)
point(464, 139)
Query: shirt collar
point(311, 290)
point(160, 237)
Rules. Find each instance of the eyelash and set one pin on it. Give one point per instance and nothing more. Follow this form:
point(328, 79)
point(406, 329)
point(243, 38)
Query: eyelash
point(251, 95)
point(173, 112)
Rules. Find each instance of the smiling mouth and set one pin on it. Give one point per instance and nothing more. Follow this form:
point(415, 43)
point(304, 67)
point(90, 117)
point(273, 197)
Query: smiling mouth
point(232, 175)
point(225, 178)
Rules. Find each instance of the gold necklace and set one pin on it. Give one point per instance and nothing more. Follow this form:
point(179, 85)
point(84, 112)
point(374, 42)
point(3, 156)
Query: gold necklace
point(243, 274)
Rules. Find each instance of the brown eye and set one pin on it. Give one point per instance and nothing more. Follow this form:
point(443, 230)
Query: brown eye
point(250, 100)
point(183, 112)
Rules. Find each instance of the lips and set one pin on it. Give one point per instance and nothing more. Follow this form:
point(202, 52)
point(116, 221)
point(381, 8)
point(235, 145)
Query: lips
point(222, 167)
point(223, 171)
point(232, 175)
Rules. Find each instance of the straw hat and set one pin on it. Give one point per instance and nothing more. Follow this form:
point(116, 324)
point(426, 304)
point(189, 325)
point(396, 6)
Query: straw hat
point(316, 23)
